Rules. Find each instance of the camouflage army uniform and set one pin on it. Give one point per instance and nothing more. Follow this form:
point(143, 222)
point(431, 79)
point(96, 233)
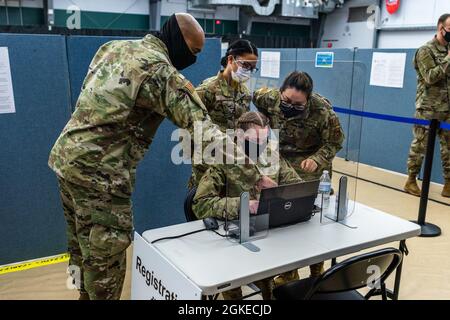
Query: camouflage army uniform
point(316, 135)
point(432, 65)
point(225, 104)
point(130, 88)
point(218, 195)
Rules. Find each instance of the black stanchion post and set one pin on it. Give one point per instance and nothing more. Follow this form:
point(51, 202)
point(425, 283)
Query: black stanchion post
point(428, 229)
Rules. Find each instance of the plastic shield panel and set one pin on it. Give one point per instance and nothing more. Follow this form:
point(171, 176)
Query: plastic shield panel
point(299, 138)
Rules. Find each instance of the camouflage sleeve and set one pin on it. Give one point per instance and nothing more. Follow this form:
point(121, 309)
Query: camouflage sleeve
point(288, 174)
point(332, 140)
point(265, 100)
point(171, 95)
point(209, 200)
point(429, 69)
point(206, 96)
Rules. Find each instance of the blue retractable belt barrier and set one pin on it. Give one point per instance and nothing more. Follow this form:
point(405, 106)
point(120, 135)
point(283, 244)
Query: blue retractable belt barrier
point(386, 117)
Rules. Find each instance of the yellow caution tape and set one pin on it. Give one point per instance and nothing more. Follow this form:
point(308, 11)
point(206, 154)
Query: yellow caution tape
point(21, 266)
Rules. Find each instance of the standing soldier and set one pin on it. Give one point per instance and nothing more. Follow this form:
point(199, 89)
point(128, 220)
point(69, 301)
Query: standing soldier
point(432, 64)
point(130, 88)
point(310, 132)
point(225, 96)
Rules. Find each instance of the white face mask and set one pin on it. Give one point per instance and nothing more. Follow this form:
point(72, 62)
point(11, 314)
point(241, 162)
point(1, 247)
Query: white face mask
point(241, 75)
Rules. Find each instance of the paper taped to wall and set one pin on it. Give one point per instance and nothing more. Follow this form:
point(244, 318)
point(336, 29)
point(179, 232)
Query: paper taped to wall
point(388, 69)
point(6, 88)
point(270, 64)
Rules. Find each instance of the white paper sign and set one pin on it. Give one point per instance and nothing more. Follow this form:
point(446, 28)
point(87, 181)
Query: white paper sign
point(270, 64)
point(388, 69)
point(153, 277)
point(6, 89)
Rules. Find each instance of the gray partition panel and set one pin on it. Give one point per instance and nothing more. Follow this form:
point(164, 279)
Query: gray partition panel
point(31, 219)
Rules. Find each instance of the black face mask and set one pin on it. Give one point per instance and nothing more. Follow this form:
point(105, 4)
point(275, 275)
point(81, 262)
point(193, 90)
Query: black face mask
point(447, 36)
point(253, 149)
point(179, 53)
point(289, 111)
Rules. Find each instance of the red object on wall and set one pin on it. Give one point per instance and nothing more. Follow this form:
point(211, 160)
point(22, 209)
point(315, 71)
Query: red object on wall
point(392, 6)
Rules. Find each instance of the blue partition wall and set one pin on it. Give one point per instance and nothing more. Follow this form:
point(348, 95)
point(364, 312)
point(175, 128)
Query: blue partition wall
point(31, 219)
point(47, 74)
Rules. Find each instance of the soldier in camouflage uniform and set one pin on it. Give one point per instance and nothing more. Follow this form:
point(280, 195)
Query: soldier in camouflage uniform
point(310, 132)
point(226, 96)
point(130, 88)
point(432, 64)
point(219, 190)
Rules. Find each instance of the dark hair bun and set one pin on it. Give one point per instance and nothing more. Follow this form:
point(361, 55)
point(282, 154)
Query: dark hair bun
point(237, 48)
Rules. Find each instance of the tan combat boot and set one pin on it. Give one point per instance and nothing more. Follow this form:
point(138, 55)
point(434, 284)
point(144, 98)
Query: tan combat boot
point(446, 190)
point(411, 186)
point(84, 296)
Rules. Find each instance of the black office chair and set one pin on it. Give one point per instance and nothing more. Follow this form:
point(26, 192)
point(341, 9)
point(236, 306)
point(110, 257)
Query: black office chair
point(188, 212)
point(341, 281)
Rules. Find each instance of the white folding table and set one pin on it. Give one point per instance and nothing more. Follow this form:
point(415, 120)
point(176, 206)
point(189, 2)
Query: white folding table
point(209, 264)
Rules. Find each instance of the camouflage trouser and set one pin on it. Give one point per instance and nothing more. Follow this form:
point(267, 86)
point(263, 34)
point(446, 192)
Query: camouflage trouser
point(419, 146)
point(266, 286)
point(96, 243)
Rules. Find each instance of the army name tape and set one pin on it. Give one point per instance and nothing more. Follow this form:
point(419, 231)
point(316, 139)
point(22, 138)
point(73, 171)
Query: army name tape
point(21, 266)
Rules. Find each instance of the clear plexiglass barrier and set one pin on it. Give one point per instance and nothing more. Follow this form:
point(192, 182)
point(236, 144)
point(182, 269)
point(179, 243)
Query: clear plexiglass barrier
point(326, 128)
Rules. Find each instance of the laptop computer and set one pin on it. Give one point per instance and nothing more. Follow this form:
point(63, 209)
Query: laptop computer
point(284, 205)
point(288, 204)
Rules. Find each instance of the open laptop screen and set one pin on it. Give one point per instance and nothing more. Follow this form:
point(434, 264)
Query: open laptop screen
point(288, 204)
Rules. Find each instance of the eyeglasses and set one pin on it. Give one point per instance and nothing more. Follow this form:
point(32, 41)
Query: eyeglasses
point(245, 64)
point(299, 107)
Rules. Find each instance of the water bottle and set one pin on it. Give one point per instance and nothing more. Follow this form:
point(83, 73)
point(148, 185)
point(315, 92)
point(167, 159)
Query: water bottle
point(324, 190)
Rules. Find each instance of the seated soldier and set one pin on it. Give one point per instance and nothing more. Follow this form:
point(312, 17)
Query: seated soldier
point(218, 193)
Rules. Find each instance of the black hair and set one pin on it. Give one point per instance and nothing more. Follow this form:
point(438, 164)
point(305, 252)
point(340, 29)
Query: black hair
point(298, 80)
point(443, 18)
point(237, 48)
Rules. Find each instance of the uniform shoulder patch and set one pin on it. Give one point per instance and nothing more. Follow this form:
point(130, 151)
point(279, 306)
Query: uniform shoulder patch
point(190, 86)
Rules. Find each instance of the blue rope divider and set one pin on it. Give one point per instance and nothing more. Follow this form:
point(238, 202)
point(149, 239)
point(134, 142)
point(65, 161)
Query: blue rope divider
point(379, 116)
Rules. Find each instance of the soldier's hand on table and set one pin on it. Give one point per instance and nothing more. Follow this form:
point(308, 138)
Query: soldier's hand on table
point(253, 206)
point(265, 183)
point(309, 165)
